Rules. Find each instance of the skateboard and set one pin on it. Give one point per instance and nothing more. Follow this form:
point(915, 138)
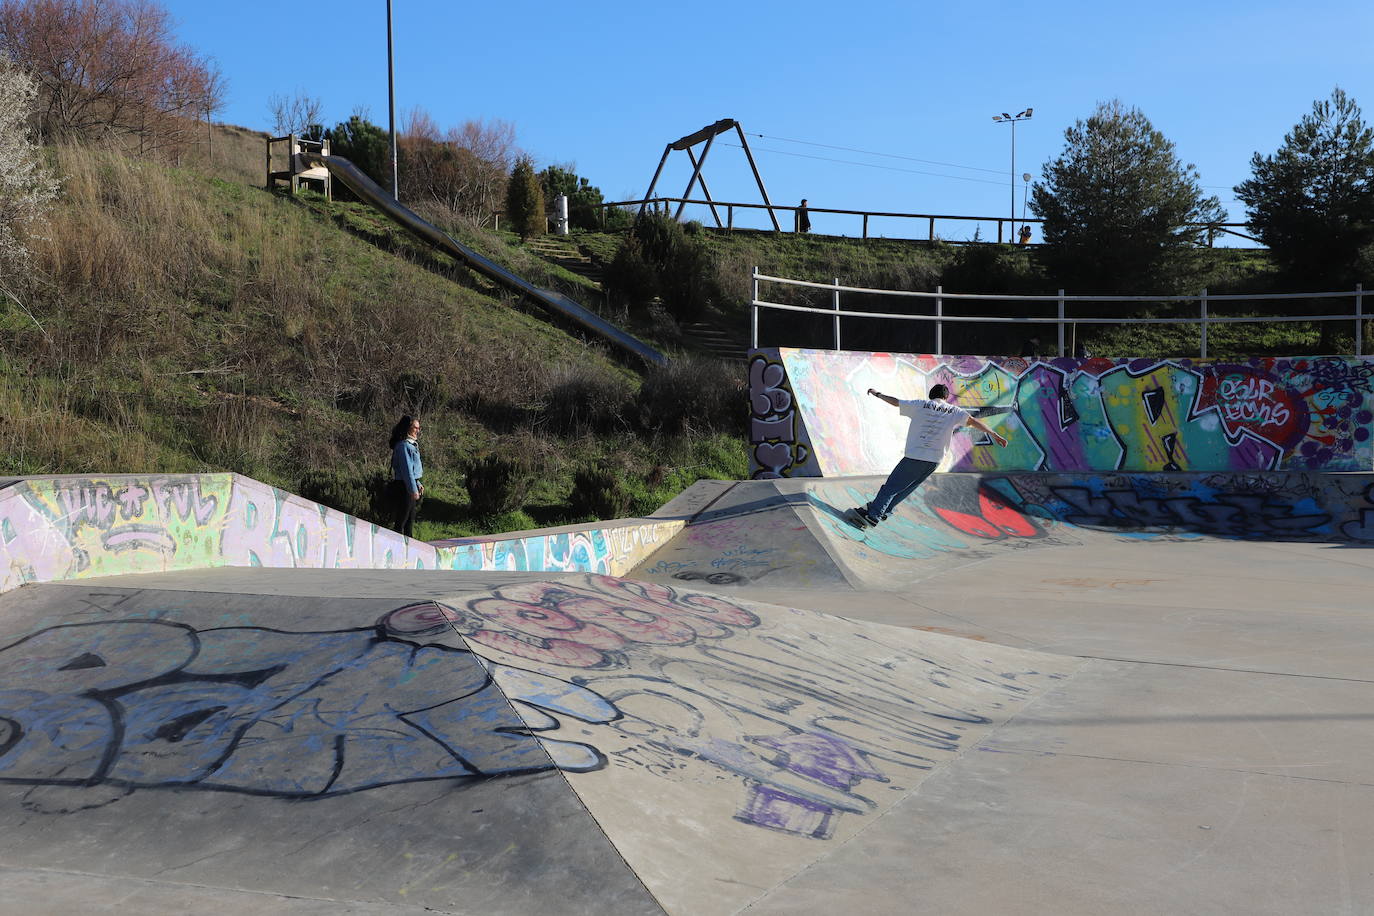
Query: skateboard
point(855, 518)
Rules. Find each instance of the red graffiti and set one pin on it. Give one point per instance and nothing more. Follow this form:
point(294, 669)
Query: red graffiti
point(1249, 400)
point(998, 519)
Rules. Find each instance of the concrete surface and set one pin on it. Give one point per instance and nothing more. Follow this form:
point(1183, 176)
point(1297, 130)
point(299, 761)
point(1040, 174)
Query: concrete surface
point(983, 707)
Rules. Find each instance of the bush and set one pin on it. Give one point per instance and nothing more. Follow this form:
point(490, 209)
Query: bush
point(361, 495)
point(600, 493)
point(630, 280)
point(582, 399)
point(658, 259)
point(497, 485)
point(693, 396)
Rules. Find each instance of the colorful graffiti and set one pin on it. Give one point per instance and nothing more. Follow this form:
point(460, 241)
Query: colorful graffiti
point(155, 703)
point(610, 550)
point(790, 715)
point(75, 527)
point(1079, 415)
point(962, 513)
point(801, 723)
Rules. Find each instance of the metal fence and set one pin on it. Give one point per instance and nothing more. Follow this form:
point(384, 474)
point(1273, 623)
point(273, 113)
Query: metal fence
point(1062, 303)
point(664, 205)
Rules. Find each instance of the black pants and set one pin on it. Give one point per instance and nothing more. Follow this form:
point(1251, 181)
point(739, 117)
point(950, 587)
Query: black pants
point(403, 508)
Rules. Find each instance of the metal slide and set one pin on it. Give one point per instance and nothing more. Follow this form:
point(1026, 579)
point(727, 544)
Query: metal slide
point(369, 191)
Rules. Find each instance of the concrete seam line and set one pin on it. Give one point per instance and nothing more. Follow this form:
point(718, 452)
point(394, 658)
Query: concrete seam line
point(1137, 661)
point(1023, 752)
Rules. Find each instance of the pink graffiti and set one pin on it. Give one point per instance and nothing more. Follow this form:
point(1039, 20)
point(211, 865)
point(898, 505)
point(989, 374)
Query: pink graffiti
point(584, 626)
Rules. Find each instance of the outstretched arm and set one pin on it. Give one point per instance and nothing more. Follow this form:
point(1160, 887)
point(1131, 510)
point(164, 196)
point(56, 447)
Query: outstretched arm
point(979, 424)
point(883, 397)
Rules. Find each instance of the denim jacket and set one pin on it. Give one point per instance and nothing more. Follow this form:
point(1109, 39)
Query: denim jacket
point(406, 466)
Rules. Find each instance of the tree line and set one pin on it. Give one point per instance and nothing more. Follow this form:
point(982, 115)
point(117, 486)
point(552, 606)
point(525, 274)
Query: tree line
point(1123, 214)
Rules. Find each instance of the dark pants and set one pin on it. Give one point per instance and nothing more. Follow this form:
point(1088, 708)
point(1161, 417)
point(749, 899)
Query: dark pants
point(909, 474)
point(403, 508)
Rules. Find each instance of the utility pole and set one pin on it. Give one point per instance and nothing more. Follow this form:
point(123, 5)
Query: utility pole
point(391, 102)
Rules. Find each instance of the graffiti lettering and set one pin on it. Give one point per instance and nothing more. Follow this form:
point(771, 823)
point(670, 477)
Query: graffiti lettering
point(155, 704)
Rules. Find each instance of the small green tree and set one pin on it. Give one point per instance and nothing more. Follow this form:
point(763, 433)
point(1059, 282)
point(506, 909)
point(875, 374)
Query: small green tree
point(525, 200)
point(1118, 205)
point(365, 145)
point(1312, 201)
point(584, 199)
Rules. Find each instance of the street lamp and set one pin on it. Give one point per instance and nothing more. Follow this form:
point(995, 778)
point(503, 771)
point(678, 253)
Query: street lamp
point(1025, 193)
point(1012, 119)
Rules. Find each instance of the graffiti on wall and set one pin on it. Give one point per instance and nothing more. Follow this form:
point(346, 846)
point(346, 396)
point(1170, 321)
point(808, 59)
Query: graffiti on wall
point(612, 550)
point(962, 514)
point(74, 527)
point(1088, 414)
point(777, 440)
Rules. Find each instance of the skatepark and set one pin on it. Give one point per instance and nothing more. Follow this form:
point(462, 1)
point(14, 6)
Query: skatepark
point(1122, 666)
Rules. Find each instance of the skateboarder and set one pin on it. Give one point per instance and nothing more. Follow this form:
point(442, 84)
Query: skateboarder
point(933, 422)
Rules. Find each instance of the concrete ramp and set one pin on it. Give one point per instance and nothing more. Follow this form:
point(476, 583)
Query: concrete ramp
point(789, 534)
point(295, 740)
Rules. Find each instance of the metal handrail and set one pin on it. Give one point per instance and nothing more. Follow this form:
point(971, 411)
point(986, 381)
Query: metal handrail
point(1061, 300)
point(666, 202)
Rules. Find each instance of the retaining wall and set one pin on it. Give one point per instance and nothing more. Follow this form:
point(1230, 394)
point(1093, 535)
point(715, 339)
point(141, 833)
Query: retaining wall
point(810, 417)
point(55, 528)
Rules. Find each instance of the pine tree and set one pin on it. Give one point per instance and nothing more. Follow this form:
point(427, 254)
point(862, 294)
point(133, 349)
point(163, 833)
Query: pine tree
point(525, 200)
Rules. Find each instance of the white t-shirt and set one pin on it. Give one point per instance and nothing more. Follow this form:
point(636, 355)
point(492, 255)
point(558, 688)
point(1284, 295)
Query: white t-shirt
point(932, 425)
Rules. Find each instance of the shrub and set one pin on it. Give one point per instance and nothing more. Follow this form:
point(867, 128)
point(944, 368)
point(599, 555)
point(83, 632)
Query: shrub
point(630, 280)
point(598, 491)
point(497, 484)
point(361, 495)
point(693, 396)
point(582, 399)
point(658, 259)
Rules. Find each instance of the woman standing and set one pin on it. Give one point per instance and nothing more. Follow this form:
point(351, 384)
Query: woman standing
point(406, 471)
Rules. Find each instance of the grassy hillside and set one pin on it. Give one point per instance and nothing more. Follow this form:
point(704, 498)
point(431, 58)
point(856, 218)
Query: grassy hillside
point(183, 319)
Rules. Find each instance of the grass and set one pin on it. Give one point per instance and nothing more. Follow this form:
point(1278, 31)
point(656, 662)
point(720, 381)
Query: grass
point(181, 320)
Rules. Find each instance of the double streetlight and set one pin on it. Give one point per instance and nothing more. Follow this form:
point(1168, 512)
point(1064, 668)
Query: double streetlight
point(1012, 119)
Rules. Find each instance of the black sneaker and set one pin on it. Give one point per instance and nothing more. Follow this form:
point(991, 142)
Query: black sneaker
point(867, 519)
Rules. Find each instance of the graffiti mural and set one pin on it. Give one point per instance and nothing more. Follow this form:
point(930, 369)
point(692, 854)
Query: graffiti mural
point(800, 724)
point(779, 447)
point(1080, 415)
point(612, 550)
point(155, 703)
point(74, 527)
point(792, 720)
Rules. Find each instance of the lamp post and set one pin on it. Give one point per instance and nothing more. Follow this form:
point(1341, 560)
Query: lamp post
point(391, 102)
point(1025, 193)
point(1012, 119)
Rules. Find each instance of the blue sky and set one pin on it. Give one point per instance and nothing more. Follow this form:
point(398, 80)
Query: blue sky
point(605, 85)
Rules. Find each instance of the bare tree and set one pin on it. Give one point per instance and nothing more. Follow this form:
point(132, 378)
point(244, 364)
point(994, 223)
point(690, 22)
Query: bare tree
point(110, 68)
point(463, 169)
point(26, 185)
point(294, 115)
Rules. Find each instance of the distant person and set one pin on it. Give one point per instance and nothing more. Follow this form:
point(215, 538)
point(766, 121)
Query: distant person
point(1080, 351)
point(933, 422)
point(803, 218)
point(1025, 235)
point(1031, 345)
point(406, 471)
